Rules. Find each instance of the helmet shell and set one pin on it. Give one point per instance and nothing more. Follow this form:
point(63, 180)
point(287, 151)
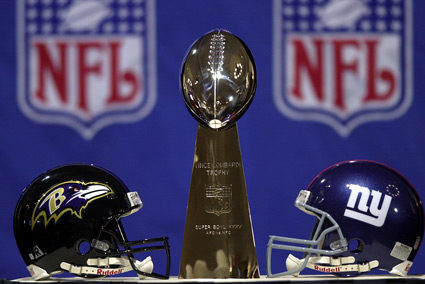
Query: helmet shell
point(63, 210)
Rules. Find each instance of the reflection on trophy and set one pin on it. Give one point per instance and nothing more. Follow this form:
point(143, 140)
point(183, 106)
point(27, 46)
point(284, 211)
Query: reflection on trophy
point(218, 80)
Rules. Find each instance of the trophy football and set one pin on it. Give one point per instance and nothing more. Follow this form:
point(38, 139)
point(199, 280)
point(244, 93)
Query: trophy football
point(218, 81)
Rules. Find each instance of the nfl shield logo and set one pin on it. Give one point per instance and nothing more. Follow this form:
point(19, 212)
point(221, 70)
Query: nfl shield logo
point(86, 63)
point(343, 62)
point(218, 199)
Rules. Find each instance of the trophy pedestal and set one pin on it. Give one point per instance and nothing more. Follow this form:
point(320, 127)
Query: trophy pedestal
point(218, 239)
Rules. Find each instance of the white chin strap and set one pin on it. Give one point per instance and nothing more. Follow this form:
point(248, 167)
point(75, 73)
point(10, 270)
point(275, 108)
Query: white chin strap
point(99, 266)
point(329, 265)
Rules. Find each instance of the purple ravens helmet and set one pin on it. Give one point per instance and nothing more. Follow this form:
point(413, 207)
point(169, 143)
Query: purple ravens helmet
point(69, 220)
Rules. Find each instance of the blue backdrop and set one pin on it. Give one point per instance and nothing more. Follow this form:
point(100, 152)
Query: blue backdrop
point(98, 82)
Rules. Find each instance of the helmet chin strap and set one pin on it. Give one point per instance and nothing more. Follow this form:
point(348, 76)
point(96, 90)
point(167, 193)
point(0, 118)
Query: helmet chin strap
point(329, 264)
point(99, 266)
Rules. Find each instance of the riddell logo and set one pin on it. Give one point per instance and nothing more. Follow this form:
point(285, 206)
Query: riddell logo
point(107, 272)
point(327, 269)
point(363, 212)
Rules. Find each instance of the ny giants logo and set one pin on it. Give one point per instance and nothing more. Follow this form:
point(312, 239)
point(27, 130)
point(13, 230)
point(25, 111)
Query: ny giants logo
point(342, 62)
point(373, 213)
point(86, 64)
point(71, 197)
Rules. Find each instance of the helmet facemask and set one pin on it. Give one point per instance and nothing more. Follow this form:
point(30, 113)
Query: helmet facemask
point(116, 254)
point(312, 248)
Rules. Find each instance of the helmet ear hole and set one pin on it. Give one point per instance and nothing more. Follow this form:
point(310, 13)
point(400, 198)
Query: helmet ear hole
point(83, 247)
point(355, 246)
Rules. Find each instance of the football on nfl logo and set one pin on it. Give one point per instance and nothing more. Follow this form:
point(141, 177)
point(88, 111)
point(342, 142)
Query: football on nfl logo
point(86, 64)
point(342, 62)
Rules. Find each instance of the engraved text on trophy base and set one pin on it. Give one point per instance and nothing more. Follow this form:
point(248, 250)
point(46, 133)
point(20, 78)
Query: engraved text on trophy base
point(218, 229)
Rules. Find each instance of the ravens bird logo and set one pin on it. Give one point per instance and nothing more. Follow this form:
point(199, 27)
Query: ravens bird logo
point(70, 196)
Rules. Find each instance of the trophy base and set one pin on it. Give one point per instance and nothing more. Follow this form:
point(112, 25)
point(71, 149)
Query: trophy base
point(218, 239)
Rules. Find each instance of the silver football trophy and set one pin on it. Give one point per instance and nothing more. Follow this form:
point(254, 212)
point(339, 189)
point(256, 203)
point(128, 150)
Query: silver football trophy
point(218, 81)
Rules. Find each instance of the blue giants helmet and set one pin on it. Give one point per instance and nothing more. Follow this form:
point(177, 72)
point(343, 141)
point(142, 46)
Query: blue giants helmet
point(368, 217)
point(69, 220)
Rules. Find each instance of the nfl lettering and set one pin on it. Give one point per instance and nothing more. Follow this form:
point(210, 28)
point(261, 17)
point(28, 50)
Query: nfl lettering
point(71, 196)
point(368, 214)
point(335, 50)
point(108, 52)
